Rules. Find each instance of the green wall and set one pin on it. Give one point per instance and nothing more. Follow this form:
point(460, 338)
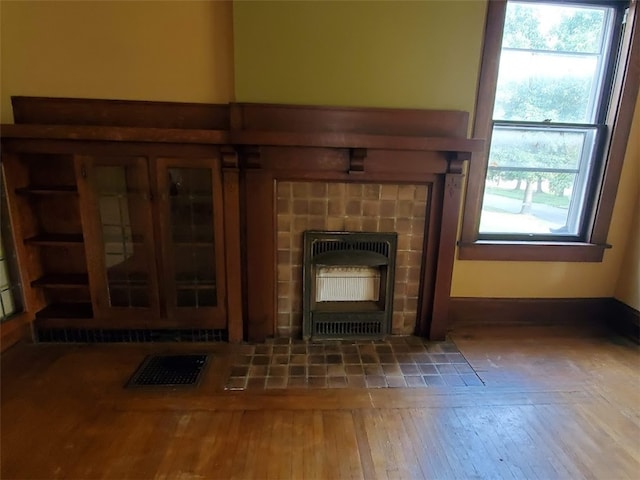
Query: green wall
point(419, 54)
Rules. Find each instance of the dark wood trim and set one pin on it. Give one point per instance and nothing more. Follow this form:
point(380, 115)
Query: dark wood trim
point(233, 252)
point(120, 113)
point(465, 311)
point(624, 319)
point(88, 215)
point(14, 330)
point(605, 313)
point(433, 220)
point(485, 99)
point(531, 252)
point(349, 120)
point(260, 254)
point(354, 140)
point(73, 147)
point(446, 255)
point(626, 86)
point(620, 117)
point(114, 134)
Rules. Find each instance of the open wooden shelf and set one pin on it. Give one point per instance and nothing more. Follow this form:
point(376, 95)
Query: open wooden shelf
point(66, 311)
point(62, 280)
point(195, 243)
point(48, 190)
point(195, 286)
point(56, 239)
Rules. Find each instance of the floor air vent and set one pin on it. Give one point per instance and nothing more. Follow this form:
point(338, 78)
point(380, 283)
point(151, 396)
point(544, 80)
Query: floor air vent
point(168, 371)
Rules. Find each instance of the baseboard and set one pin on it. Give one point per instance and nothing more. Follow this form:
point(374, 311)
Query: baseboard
point(527, 311)
point(582, 312)
point(624, 319)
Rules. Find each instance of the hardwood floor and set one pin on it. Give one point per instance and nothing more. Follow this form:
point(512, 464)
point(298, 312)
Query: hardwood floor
point(557, 403)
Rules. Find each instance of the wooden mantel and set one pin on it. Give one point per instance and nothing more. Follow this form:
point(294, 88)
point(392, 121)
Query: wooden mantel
point(364, 145)
point(264, 144)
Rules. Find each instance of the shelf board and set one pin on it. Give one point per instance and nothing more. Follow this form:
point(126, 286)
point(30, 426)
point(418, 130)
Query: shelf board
point(62, 280)
point(56, 239)
point(48, 190)
point(129, 285)
point(66, 311)
point(194, 243)
point(198, 286)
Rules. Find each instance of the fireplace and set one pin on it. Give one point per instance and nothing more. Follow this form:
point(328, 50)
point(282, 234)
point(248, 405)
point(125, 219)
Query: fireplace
point(348, 280)
point(363, 170)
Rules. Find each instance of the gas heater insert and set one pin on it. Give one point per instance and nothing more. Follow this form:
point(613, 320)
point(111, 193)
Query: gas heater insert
point(348, 284)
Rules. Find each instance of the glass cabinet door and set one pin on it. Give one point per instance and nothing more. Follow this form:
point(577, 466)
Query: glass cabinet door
point(121, 256)
point(191, 220)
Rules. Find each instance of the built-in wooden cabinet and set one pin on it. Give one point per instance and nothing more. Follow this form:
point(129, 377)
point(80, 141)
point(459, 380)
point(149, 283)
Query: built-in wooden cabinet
point(153, 215)
point(127, 241)
point(120, 226)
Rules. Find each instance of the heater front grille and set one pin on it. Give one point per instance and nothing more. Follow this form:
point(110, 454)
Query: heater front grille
point(340, 270)
point(347, 328)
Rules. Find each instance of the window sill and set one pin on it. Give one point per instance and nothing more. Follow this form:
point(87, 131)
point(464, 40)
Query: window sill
point(531, 252)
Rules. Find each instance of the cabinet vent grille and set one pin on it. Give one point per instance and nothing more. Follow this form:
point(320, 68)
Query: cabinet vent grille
point(97, 335)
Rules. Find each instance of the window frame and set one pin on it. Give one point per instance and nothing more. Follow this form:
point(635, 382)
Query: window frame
point(624, 93)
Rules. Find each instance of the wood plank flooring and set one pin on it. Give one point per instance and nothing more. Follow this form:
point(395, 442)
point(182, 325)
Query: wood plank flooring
point(557, 403)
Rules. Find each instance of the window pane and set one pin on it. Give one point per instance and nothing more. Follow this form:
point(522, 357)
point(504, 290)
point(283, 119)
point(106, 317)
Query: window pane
point(554, 27)
point(552, 62)
point(10, 290)
point(191, 221)
point(537, 180)
point(122, 208)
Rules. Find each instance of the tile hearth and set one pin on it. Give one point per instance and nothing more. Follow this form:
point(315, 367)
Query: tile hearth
point(397, 362)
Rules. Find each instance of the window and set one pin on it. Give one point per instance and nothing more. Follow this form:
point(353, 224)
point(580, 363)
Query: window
point(10, 292)
point(550, 104)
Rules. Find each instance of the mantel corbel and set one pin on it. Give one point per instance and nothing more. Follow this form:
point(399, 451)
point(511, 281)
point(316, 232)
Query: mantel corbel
point(251, 157)
point(356, 160)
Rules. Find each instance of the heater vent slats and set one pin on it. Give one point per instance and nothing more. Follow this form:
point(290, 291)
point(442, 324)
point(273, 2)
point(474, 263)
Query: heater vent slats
point(347, 329)
point(342, 245)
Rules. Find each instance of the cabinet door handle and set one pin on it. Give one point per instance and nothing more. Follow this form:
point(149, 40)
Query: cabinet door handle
point(83, 171)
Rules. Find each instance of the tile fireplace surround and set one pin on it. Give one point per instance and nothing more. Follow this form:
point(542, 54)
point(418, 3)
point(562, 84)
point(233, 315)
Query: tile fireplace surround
point(338, 206)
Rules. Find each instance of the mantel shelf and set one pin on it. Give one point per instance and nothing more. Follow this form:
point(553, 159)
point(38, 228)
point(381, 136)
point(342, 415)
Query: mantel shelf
point(356, 140)
point(241, 137)
point(110, 134)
